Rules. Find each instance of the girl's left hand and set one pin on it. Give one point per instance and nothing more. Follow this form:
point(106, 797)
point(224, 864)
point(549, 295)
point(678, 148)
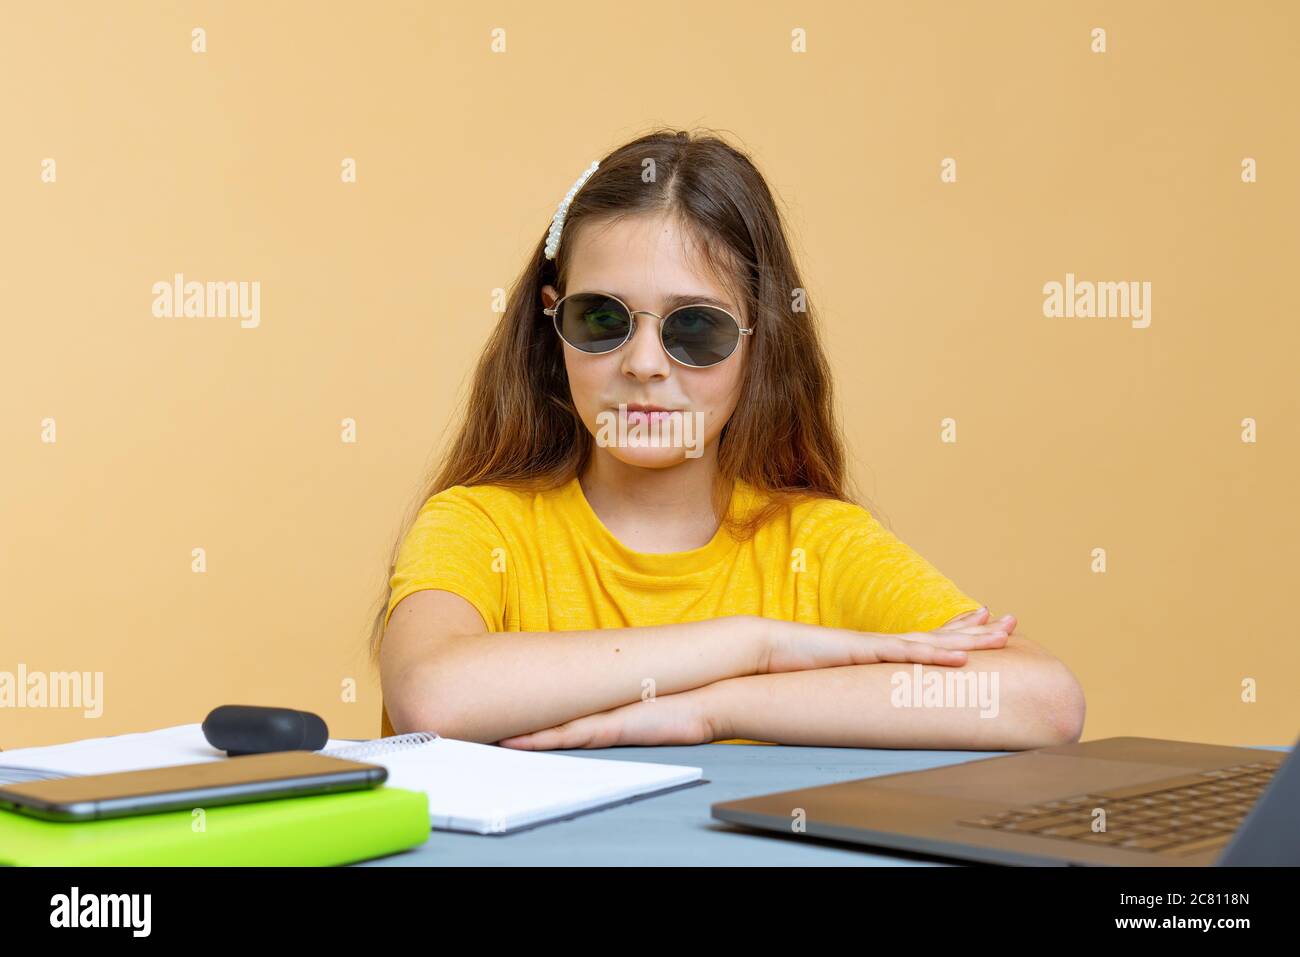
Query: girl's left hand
point(664, 720)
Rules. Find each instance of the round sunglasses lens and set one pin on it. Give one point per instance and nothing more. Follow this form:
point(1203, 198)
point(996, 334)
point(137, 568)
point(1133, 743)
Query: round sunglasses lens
point(593, 323)
point(700, 335)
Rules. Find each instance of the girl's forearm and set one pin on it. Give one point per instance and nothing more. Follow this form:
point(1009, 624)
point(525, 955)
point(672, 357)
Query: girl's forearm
point(1006, 699)
point(500, 684)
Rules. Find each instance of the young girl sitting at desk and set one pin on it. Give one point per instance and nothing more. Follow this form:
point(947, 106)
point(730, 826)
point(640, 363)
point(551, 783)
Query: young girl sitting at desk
point(641, 534)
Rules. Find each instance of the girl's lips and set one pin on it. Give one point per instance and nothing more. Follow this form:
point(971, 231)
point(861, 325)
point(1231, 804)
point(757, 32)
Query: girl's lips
point(636, 415)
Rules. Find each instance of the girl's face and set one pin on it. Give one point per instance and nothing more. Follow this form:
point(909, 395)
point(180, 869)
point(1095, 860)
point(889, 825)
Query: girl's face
point(644, 261)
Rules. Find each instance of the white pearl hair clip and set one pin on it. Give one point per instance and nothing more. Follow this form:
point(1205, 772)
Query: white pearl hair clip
point(557, 221)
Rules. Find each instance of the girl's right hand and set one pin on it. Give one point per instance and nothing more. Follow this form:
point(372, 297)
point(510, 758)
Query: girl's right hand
point(794, 646)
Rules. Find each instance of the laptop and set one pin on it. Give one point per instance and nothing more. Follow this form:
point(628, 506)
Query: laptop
point(1115, 801)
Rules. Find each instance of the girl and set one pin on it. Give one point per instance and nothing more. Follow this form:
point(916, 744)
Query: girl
point(648, 495)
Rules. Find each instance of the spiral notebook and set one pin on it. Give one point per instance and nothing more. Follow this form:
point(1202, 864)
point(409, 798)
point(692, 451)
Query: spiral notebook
point(488, 789)
point(480, 788)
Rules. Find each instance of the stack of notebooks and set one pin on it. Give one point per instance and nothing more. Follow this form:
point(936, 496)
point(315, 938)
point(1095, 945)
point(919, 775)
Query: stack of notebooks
point(432, 782)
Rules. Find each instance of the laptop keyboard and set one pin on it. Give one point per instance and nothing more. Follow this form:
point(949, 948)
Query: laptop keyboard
point(1178, 816)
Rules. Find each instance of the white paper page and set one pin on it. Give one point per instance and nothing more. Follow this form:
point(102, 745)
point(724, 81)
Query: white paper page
point(487, 788)
point(182, 744)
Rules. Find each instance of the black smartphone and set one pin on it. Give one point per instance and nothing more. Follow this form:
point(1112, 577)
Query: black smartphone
point(252, 777)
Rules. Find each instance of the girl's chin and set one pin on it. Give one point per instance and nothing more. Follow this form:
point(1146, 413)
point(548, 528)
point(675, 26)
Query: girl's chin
point(649, 458)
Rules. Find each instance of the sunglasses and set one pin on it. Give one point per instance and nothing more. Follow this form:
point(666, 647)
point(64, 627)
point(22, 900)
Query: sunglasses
point(696, 336)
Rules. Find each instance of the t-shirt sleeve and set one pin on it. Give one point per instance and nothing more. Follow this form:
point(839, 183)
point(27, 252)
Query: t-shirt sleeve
point(872, 581)
point(453, 545)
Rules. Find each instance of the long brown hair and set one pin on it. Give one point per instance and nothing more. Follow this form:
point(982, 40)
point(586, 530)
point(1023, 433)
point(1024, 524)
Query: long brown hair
point(521, 428)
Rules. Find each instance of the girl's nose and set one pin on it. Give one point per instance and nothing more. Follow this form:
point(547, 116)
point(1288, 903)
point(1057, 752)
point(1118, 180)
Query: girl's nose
point(645, 353)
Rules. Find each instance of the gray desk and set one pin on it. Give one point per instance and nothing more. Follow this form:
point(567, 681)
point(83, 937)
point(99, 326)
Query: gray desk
point(674, 828)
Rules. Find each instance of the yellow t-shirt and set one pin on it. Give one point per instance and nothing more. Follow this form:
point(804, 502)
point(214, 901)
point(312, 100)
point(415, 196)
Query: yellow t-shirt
point(543, 561)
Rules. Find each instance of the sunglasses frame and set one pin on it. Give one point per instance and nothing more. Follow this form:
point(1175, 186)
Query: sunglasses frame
point(554, 313)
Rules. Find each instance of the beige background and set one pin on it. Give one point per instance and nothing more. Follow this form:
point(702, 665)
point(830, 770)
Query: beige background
point(376, 297)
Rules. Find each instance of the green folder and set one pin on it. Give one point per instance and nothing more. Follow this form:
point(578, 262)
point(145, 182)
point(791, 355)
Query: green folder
point(315, 830)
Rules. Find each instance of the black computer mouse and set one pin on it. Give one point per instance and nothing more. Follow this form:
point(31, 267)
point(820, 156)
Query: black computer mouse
point(252, 729)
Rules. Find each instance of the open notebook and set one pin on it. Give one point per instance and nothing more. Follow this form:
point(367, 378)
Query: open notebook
point(481, 788)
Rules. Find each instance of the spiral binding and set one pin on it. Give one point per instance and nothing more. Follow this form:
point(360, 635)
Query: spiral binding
point(397, 742)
